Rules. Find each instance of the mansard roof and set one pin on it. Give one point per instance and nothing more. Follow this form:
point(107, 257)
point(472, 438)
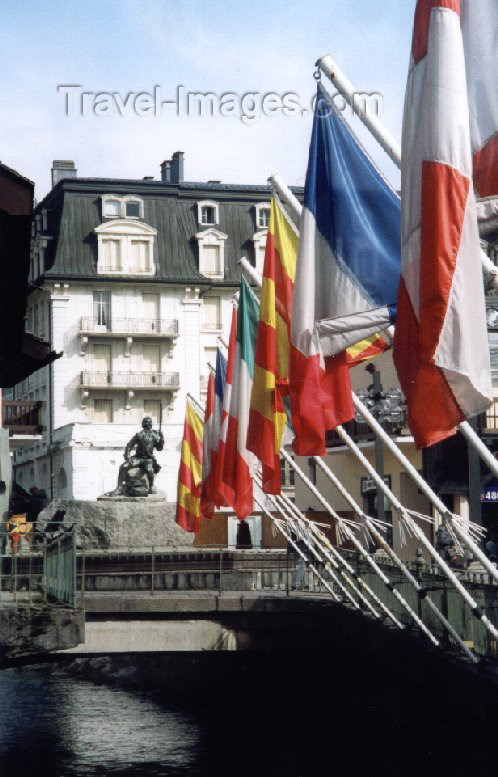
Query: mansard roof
point(74, 208)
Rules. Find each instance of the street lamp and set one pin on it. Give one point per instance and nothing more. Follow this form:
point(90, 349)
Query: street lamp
point(387, 409)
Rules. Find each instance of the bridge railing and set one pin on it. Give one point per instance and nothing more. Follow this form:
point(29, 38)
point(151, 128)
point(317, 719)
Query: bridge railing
point(157, 571)
point(59, 569)
point(209, 567)
point(36, 567)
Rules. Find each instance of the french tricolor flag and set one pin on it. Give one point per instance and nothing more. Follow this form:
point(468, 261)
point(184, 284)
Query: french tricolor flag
point(211, 496)
point(440, 345)
point(347, 274)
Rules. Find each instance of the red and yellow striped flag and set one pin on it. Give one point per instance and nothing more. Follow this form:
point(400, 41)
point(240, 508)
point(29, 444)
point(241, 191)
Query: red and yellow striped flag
point(366, 349)
point(267, 416)
point(188, 508)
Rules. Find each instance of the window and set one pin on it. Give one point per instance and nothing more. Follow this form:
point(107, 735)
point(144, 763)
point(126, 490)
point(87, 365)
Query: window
point(112, 208)
point(210, 312)
point(262, 215)
point(211, 263)
point(101, 309)
point(207, 213)
point(125, 247)
point(312, 470)
point(259, 242)
point(111, 255)
point(102, 411)
point(139, 256)
point(287, 473)
point(132, 210)
point(152, 408)
point(129, 207)
point(212, 253)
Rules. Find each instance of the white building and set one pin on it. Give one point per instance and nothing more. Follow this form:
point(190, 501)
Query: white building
point(132, 281)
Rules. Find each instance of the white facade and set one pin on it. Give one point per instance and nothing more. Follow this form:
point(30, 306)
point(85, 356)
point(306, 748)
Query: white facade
point(116, 368)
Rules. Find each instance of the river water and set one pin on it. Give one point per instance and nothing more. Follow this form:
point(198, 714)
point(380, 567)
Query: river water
point(238, 716)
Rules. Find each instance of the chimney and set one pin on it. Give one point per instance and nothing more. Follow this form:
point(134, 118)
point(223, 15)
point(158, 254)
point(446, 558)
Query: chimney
point(172, 169)
point(62, 168)
point(166, 171)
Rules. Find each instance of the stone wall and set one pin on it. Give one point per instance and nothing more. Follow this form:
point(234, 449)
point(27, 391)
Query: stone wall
point(120, 523)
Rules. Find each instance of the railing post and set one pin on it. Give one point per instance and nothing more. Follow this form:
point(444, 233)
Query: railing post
point(287, 569)
point(29, 571)
point(14, 564)
point(152, 571)
point(220, 570)
point(74, 561)
point(3, 547)
point(82, 581)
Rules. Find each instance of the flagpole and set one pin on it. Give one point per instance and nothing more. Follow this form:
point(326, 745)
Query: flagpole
point(289, 539)
point(400, 565)
point(424, 487)
point(327, 65)
point(339, 563)
point(332, 572)
point(421, 483)
point(464, 427)
point(394, 557)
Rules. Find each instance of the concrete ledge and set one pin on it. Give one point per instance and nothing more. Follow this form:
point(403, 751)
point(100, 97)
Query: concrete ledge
point(176, 603)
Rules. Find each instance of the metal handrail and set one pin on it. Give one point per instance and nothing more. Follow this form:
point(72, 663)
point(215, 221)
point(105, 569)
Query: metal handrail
point(21, 415)
point(35, 566)
point(111, 379)
point(126, 326)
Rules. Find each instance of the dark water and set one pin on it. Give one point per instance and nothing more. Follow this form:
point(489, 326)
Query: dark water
point(230, 715)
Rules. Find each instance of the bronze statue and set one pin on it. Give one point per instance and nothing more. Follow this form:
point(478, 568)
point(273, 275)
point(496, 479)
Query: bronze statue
point(144, 460)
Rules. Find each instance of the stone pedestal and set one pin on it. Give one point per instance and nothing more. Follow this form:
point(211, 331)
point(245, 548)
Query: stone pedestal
point(120, 522)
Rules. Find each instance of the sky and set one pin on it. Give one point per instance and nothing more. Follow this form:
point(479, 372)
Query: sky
point(118, 47)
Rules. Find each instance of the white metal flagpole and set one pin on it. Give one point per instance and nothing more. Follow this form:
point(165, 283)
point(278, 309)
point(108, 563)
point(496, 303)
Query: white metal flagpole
point(354, 98)
point(424, 487)
point(290, 200)
point(421, 591)
point(476, 610)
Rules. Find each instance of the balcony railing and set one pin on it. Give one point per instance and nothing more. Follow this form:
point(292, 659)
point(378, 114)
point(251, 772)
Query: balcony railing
point(131, 326)
point(131, 380)
point(490, 419)
point(362, 432)
point(22, 417)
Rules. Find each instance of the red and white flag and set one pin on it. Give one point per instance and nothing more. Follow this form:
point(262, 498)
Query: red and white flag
point(440, 345)
point(479, 23)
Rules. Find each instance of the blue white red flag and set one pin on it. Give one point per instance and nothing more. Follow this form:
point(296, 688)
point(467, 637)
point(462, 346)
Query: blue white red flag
point(210, 496)
point(347, 274)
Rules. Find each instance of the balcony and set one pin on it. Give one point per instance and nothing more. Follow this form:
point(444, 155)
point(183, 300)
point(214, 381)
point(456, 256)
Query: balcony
point(169, 381)
point(361, 432)
point(489, 424)
point(124, 327)
point(23, 420)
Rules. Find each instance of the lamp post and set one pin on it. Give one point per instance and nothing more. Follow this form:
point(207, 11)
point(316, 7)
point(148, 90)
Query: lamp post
point(387, 410)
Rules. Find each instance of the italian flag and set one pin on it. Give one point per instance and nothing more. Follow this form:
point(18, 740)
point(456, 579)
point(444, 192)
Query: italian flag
point(239, 464)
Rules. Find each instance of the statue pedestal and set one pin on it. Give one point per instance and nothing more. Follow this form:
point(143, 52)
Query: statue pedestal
point(120, 522)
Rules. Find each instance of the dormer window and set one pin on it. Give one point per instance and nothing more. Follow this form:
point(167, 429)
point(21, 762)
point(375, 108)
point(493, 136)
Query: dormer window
point(212, 253)
point(207, 213)
point(112, 209)
point(125, 247)
point(263, 215)
point(132, 210)
point(122, 207)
